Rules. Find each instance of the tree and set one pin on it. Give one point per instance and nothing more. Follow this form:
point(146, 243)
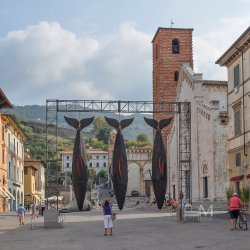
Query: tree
point(103, 134)
point(91, 173)
point(101, 129)
point(142, 138)
point(99, 123)
point(99, 144)
point(103, 173)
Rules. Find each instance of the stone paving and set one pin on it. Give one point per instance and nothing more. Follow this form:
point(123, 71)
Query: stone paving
point(135, 228)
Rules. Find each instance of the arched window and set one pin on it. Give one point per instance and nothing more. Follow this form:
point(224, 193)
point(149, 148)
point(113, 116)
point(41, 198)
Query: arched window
point(176, 76)
point(205, 169)
point(175, 46)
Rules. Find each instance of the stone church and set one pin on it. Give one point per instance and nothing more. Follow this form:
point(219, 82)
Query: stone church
point(175, 81)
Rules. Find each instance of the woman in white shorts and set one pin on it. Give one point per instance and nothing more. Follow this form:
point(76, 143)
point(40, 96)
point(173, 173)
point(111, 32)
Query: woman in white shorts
point(108, 223)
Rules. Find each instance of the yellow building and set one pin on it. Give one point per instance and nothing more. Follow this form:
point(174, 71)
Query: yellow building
point(4, 196)
point(237, 61)
point(30, 184)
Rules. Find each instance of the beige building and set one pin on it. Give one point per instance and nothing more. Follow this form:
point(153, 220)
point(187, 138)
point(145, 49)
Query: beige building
point(237, 61)
point(209, 129)
point(15, 138)
point(34, 177)
point(97, 160)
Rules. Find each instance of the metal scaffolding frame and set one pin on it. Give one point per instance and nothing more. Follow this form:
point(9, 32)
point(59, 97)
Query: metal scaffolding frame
point(181, 110)
point(185, 174)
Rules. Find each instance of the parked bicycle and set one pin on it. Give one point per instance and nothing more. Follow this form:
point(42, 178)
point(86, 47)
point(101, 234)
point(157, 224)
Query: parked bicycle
point(242, 220)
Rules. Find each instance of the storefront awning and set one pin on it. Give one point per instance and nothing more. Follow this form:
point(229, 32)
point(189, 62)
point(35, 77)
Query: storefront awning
point(237, 178)
point(248, 176)
point(11, 196)
point(37, 197)
point(54, 198)
point(6, 193)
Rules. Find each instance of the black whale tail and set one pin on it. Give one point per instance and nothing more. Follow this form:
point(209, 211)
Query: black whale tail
point(158, 125)
point(79, 124)
point(116, 124)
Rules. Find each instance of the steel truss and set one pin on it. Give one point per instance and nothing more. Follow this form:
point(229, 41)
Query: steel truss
point(180, 110)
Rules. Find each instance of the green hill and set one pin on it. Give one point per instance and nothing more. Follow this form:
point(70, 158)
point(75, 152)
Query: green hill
point(35, 115)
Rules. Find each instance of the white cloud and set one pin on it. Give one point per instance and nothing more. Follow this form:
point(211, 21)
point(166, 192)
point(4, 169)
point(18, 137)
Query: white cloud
point(45, 61)
point(209, 46)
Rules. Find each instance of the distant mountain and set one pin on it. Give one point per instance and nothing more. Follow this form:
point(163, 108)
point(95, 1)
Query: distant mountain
point(36, 113)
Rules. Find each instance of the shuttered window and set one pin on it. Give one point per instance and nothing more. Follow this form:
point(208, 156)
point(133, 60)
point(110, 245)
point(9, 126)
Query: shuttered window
point(238, 159)
point(236, 76)
point(237, 121)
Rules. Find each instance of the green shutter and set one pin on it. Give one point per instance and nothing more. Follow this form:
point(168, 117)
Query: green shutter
point(236, 76)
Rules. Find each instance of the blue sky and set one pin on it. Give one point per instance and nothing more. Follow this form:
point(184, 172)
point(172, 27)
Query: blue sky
point(97, 49)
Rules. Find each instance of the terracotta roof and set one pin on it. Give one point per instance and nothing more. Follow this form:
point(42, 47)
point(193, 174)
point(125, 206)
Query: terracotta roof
point(89, 151)
point(96, 151)
point(4, 102)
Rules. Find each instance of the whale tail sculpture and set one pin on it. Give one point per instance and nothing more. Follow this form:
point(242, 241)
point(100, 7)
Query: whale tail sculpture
point(79, 124)
point(119, 162)
point(158, 125)
point(79, 162)
point(159, 162)
point(116, 124)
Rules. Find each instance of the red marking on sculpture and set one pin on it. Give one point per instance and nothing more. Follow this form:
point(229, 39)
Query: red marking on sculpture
point(161, 166)
point(120, 167)
point(80, 162)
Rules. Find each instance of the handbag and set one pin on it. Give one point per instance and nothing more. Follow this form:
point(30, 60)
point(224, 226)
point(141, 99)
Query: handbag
point(113, 215)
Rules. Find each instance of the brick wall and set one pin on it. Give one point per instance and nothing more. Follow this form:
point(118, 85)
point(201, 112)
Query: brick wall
point(166, 63)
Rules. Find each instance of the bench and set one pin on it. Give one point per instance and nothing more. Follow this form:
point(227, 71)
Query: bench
point(191, 216)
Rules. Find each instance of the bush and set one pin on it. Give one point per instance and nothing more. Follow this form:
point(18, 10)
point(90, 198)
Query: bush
point(244, 194)
point(229, 193)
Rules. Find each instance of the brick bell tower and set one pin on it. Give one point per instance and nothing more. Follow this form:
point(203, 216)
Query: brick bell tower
point(171, 48)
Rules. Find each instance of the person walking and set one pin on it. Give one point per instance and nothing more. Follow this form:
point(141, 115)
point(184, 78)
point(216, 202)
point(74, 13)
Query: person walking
point(43, 206)
point(234, 206)
point(108, 223)
point(32, 209)
point(21, 214)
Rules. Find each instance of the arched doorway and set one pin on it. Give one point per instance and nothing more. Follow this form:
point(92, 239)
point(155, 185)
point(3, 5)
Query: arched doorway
point(205, 181)
point(22, 201)
point(133, 178)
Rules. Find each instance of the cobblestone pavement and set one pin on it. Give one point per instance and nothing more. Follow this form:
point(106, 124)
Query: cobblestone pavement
point(135, 228)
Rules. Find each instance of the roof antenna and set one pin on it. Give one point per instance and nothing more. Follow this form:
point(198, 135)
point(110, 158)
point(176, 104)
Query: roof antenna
point(172, 23)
